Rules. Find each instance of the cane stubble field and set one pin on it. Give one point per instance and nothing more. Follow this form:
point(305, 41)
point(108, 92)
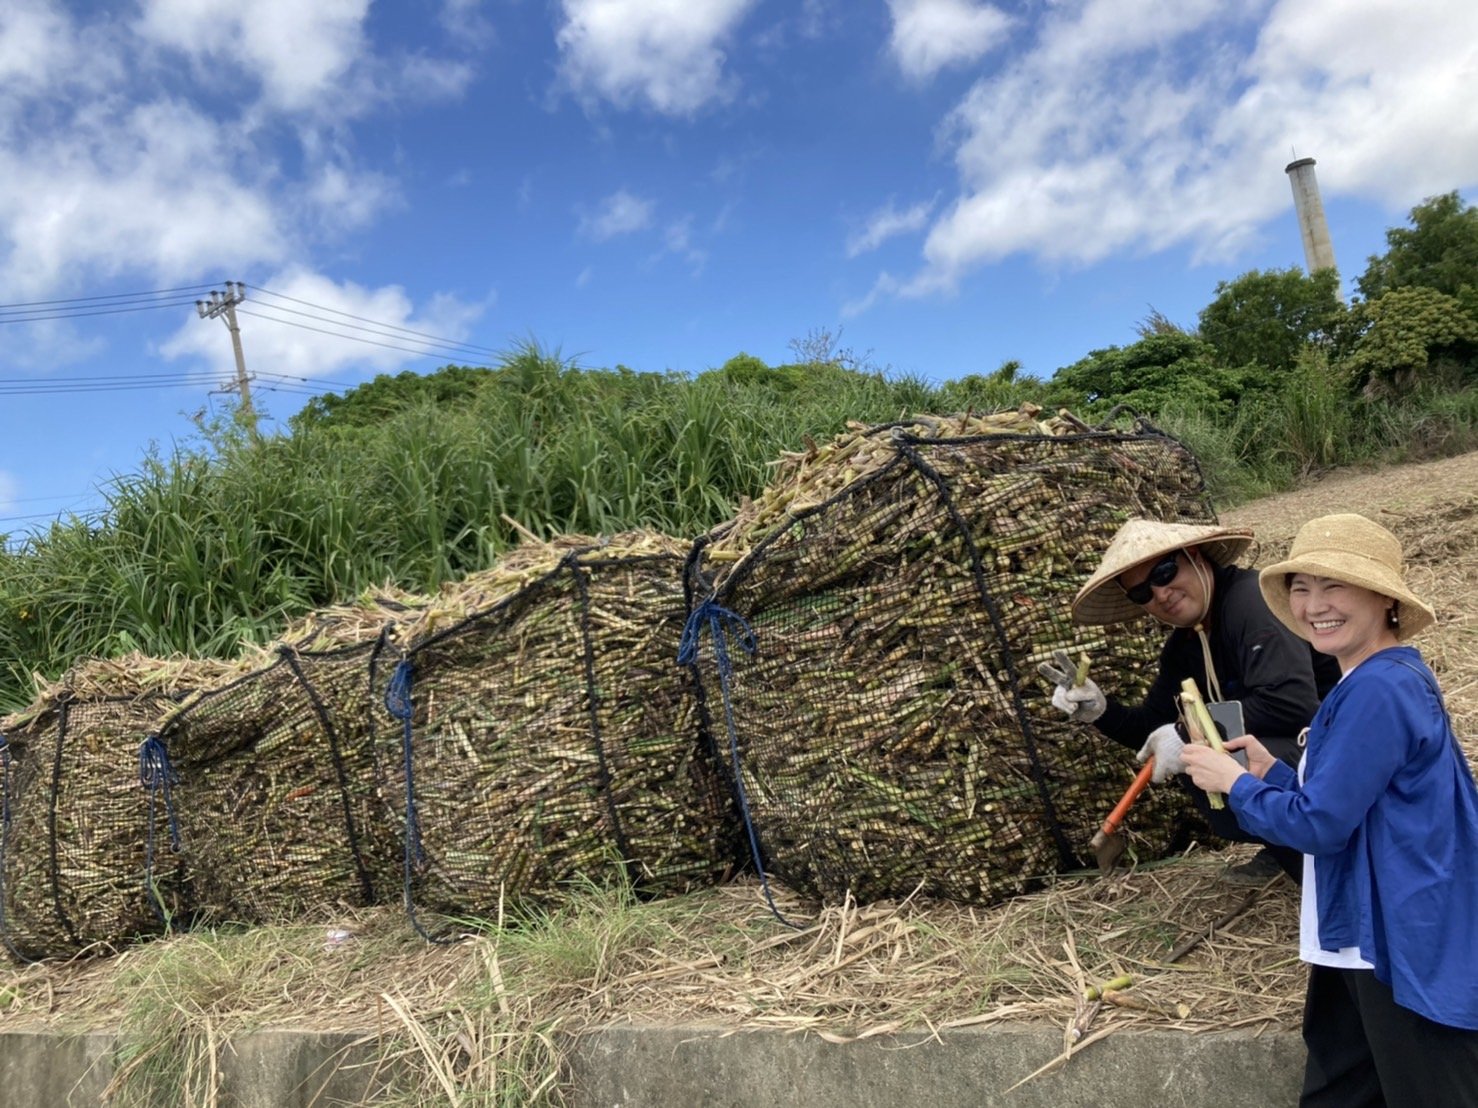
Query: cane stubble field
point(486, 1015)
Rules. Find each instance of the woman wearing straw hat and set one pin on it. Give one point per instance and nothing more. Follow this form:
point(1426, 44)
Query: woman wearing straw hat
point(1222, 635)
point(1385, 810)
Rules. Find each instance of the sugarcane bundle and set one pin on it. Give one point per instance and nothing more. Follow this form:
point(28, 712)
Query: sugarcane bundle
point(281, 812)
point(515, 569)
point(383, 610)
point(551, 737)
point(87, 860)
point(888, 732)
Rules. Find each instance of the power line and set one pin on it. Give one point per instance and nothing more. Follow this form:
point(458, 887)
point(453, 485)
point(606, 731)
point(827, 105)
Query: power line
point(79, 300)
point(112, 304)
point(376, 323)
point(421, 351)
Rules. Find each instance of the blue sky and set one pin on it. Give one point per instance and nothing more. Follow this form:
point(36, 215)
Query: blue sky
point(945, 184)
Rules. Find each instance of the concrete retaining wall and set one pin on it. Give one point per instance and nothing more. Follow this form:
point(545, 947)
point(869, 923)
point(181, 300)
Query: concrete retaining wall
point(708, 1067)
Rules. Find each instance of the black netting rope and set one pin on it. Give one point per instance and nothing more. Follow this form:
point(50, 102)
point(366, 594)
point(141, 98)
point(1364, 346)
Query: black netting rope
point(4, 843)
point(366, 883)
point(904, 444)
point(592, 699)
point(157, 774)
point(718, 621)
point(63, 716)
point(399, 704)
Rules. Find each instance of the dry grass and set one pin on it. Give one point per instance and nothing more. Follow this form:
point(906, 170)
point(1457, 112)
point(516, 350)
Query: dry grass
point(483, 1014)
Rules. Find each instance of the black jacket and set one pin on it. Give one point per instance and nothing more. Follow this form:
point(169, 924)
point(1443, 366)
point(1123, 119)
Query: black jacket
point(1279, 678)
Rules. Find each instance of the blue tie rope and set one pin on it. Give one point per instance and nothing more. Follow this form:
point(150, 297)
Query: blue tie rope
point(399, 704)
point(720, 622)
point(157, 774)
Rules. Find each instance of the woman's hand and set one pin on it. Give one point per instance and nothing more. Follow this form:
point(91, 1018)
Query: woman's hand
point(1259, 761)
point(1209, 769)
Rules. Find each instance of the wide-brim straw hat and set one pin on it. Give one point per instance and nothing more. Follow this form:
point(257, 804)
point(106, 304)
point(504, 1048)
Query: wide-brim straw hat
point(1102, 600)
point(1352, 549)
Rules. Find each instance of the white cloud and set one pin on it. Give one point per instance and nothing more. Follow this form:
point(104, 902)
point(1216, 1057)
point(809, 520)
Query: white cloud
point(885, 223)
point(1135, 125)
point(296, 50)
point(930, 35)
point(346, 200)
point(157, 189)
point(106, 175)
point(34, 44)
point(662, 53)
point(282, 331)
point(677, 239)
point(621, 213)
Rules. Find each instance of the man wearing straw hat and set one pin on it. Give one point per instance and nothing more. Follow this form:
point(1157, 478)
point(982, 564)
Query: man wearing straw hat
point(1222, 635)
point(1385, 811)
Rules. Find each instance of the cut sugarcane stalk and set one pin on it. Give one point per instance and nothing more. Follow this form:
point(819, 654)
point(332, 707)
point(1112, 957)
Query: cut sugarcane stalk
point(1199, 723)
point(1099, 992)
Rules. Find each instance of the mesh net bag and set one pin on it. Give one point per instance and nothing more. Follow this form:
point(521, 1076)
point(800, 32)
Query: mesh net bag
point(873, 627)
point(550, 737)
point(281, 812)
point(87, 857)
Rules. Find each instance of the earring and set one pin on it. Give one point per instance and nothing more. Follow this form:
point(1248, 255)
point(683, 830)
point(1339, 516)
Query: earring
point(1392, 619)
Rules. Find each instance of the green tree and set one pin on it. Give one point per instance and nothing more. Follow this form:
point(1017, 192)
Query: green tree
point(1147, 375)
point(1266, 318)
point(1394, 339)
point(377, 400)
point(1439, 250)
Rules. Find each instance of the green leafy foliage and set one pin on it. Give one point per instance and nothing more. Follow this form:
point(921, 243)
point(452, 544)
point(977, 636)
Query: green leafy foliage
point(1393, 339)
point(1266, 318)
point(1439, 250)
point(1147, 376)
point(381, 398)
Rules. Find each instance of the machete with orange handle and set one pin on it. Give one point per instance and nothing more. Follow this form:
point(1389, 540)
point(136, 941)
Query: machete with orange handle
point(1108, 845)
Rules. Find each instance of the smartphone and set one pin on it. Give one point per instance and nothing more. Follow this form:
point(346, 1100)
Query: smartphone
point(1227, 715)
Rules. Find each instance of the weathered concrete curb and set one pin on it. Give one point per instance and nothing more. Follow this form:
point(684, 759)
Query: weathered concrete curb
point(711, 1067)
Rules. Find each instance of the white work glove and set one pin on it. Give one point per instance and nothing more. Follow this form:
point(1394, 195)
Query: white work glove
point(1080, 703)
point(1165, 744)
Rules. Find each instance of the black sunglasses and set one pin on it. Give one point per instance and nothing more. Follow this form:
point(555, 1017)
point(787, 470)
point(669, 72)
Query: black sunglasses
point(1164, 571)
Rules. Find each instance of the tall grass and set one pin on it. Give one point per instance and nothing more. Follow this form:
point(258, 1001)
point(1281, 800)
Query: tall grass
point(222, 542)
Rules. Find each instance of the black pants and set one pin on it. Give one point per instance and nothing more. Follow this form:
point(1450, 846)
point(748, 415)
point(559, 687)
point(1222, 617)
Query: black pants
point(1365, 1049)
point(1224, 824)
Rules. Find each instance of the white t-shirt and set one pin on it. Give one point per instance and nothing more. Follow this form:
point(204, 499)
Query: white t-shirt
point(1308, 920)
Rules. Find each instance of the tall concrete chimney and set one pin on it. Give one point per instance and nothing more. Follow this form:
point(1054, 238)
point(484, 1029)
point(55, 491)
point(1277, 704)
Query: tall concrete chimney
point(1318, 250)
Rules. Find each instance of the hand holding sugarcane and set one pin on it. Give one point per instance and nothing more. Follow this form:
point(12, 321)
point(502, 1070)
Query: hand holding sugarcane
point(1205, 757)
point(1075, 696)
point(1212, 771)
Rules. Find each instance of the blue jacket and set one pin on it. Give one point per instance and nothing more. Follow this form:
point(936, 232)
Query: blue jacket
point(1389, 811)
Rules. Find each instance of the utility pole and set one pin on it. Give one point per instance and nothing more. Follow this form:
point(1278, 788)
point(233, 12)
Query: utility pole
point(223, 305)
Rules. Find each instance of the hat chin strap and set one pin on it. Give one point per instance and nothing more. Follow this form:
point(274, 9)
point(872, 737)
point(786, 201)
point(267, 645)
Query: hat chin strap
point(1204, 576)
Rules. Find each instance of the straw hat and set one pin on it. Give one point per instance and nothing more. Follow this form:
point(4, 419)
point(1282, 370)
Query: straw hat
point(1101, 600)
point(1352, 549)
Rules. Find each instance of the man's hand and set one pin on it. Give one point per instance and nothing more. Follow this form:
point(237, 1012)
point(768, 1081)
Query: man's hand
point(1080, 703)
point(1165, 745)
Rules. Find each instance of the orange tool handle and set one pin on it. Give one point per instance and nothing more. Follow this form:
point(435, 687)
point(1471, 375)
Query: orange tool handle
point(1131, 794)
